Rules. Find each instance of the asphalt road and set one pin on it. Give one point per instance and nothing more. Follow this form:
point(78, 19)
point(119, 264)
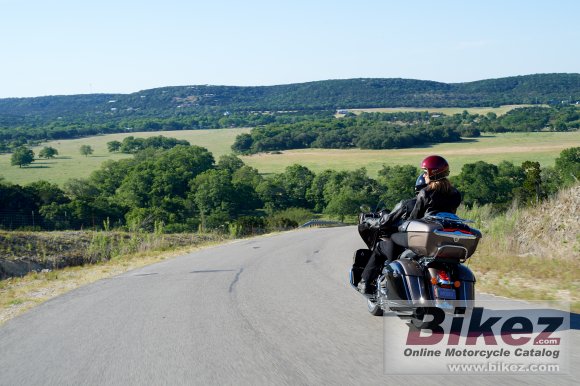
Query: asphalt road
point(264, 311)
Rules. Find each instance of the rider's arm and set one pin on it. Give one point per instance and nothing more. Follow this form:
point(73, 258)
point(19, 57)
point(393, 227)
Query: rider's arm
point(400, 212)
point(420, 206)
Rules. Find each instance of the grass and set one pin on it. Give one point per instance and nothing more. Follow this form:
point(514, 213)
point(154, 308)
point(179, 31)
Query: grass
point(544, 147)
point(71, 164)
point(515, 147)
point(19, 294)
point(502, 268)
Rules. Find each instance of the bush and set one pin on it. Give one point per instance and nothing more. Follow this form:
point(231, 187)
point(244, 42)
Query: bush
point(247, 225)
point(289, 218)
point(295, 215)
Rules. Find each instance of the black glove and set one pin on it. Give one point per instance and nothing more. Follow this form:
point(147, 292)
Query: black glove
point(384, 220)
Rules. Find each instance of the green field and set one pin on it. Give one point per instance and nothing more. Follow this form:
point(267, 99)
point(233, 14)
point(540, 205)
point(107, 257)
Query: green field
point(493, 148)
point(516, 147)
point(71, 164)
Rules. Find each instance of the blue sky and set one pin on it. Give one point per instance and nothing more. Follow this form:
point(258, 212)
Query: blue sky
point(59, 47)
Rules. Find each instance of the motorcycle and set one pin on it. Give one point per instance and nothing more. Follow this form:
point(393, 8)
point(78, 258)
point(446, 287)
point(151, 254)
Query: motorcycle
point(429, 271)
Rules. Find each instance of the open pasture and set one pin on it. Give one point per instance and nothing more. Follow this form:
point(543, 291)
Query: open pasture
point(71, 164)
point(494, 148)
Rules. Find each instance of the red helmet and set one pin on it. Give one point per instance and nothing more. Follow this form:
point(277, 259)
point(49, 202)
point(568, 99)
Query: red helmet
point(436, 167)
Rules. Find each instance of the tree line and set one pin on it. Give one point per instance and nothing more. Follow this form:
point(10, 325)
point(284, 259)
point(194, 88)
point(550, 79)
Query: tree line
point(23, 120)
point(401, 130)
point(312, 128)
point(13, 137)
point(184, 189)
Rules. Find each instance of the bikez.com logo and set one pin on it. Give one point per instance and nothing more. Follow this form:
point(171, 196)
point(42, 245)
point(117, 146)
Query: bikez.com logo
point(492, 337)
point(477, 329)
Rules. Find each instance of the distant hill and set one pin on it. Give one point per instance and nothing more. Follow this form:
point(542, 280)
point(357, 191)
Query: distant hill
point(320, 95)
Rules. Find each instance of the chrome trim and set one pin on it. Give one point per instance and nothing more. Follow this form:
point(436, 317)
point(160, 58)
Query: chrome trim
point(408, 285)
point(351, 280)
point(455, 235)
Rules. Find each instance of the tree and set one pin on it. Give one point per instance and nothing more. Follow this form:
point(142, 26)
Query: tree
point(477, 183)
point(48, 152)
point(357, 181)
point(113, 146)
point(399, 182)
point(296, 181)
point(46, 193)
point(163, 183)
point(273, 195)
point(315, 193)
point(509, 181)
point(86, 150)
point(245, 181)
point(346, 202)
point(531, 187)
point(243, 143)
point(22, 156)
point(568, 165)
point(230, 163)
point(19, 203)
point(215, 197)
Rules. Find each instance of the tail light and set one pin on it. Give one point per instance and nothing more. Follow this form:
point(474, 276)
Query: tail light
point(443, 286)
point(443, 276)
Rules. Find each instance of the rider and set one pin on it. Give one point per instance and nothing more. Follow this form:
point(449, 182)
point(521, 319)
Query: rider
point(439, 195)
point(434, 194)
point(389, 222)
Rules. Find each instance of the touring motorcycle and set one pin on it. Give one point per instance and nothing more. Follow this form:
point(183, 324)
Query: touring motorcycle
point(429, 270)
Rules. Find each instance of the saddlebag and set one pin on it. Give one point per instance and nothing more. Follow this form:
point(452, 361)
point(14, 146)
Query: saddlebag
point(403, 279)
point(360, 259)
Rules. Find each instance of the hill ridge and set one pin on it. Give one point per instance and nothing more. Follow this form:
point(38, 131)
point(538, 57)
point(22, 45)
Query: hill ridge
point(308, 96)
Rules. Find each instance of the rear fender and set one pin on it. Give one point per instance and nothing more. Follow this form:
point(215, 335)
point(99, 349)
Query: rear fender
point(466, 289)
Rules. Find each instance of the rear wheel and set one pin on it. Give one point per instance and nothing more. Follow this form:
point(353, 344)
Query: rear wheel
point(374, 308)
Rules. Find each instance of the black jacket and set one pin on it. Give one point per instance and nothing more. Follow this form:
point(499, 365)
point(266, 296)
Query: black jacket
point(388, 222)
point(400, 212)
point(432, 201)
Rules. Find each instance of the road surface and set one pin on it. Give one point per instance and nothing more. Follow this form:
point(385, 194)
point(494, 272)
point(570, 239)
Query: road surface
point(270, 310)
